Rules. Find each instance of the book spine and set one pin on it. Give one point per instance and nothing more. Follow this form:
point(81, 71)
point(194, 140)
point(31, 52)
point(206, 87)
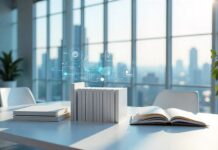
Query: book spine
point(83, 93)
point(79, 100)
point(72, 102)
point(95, 105)
point(112, 109)
point(122, 102)
point(86, 104)
point(100, 105)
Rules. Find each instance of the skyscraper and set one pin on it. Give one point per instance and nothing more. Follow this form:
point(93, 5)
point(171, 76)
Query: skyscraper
point(79, 52)
point(179, 73)
point(194, 72)
point(122, 72)
point(206, 71)
point(147, 94)
point(106, 62)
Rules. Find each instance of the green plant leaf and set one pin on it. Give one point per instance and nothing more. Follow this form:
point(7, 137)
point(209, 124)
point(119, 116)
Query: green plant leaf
point(10, 69)
point(215, 64)
point(216, 90)
point(213, 54)
point(214, 73)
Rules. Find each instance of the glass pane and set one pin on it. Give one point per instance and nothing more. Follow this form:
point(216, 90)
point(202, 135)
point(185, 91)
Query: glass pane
point(40, 63)
point(56, 6)
point(94, 24)
point(146, 95)
point(151, 18)
point(14, 37)
point(56, 90)
point(76, 17)
point(92, 2)
point(40, 86)
point(192, 16)
point(119, 20)
point(151, 60)
point(55, 63)
point(14, 16)
point(118, 62)
point(68, 58)
point(76, 4)
point(93, 70)
point(41, 8)
point(204, 97)
point(41, 32)
point(56, 33)
point(191, 60)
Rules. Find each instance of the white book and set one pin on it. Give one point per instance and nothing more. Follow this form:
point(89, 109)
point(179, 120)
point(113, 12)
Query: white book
point(74, 99)
point(41, 118)
point(101, 107)
point(154, 115)
point(79, 101)
point(95, 104)
point(87, 97)
point(42, 110)
point(112, 105)
point(108, 105)
point(83, 110)
point(105, 106)
point(120, 104)
point(89, 105)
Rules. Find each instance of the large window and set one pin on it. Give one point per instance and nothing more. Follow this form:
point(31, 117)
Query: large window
point(191, 44)
point(126, 43)
point(48, 50)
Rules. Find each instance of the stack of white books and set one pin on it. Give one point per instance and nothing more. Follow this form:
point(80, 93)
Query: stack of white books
point(41, 113)
point(98, 104)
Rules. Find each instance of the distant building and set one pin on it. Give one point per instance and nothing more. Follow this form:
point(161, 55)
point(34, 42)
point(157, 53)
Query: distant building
point(206, 71)
point(179, 73)
point(106, 62)
point(194, 72)
point(147, 93)
point(79, 52)
point(150, 78)
point(122, 71)
point(92, 75)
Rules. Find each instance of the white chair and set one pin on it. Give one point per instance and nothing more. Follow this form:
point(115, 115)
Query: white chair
point(16, 96)
point(188, 101)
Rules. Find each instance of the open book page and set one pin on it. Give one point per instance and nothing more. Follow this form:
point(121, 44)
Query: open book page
point(181, 117)
point(149, 115)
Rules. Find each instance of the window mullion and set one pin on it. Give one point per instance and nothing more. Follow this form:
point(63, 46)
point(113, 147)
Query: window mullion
point(48, 91)
point(133, 55)
point(214, 103)
point(168, 73)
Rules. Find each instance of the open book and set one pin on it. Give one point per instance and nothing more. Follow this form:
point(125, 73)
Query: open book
point(154, 115)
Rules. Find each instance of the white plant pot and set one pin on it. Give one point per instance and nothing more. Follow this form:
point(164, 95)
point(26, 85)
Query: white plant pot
point(9, 84)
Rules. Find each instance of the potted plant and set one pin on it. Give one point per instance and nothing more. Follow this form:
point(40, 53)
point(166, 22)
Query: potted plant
point(9, 70)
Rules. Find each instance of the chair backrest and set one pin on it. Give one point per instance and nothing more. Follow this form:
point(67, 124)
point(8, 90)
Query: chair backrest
point(16, 96)
point(188, 101)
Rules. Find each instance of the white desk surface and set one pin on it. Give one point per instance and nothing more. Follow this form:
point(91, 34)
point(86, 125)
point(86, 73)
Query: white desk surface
point(78, 135)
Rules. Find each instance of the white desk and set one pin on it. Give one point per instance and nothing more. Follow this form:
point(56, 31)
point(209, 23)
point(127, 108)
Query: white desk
point(69, 135)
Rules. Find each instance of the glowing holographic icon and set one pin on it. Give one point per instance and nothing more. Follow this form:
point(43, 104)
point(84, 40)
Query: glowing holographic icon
point(102, 79)
point(100, 69)
point(75, 54)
